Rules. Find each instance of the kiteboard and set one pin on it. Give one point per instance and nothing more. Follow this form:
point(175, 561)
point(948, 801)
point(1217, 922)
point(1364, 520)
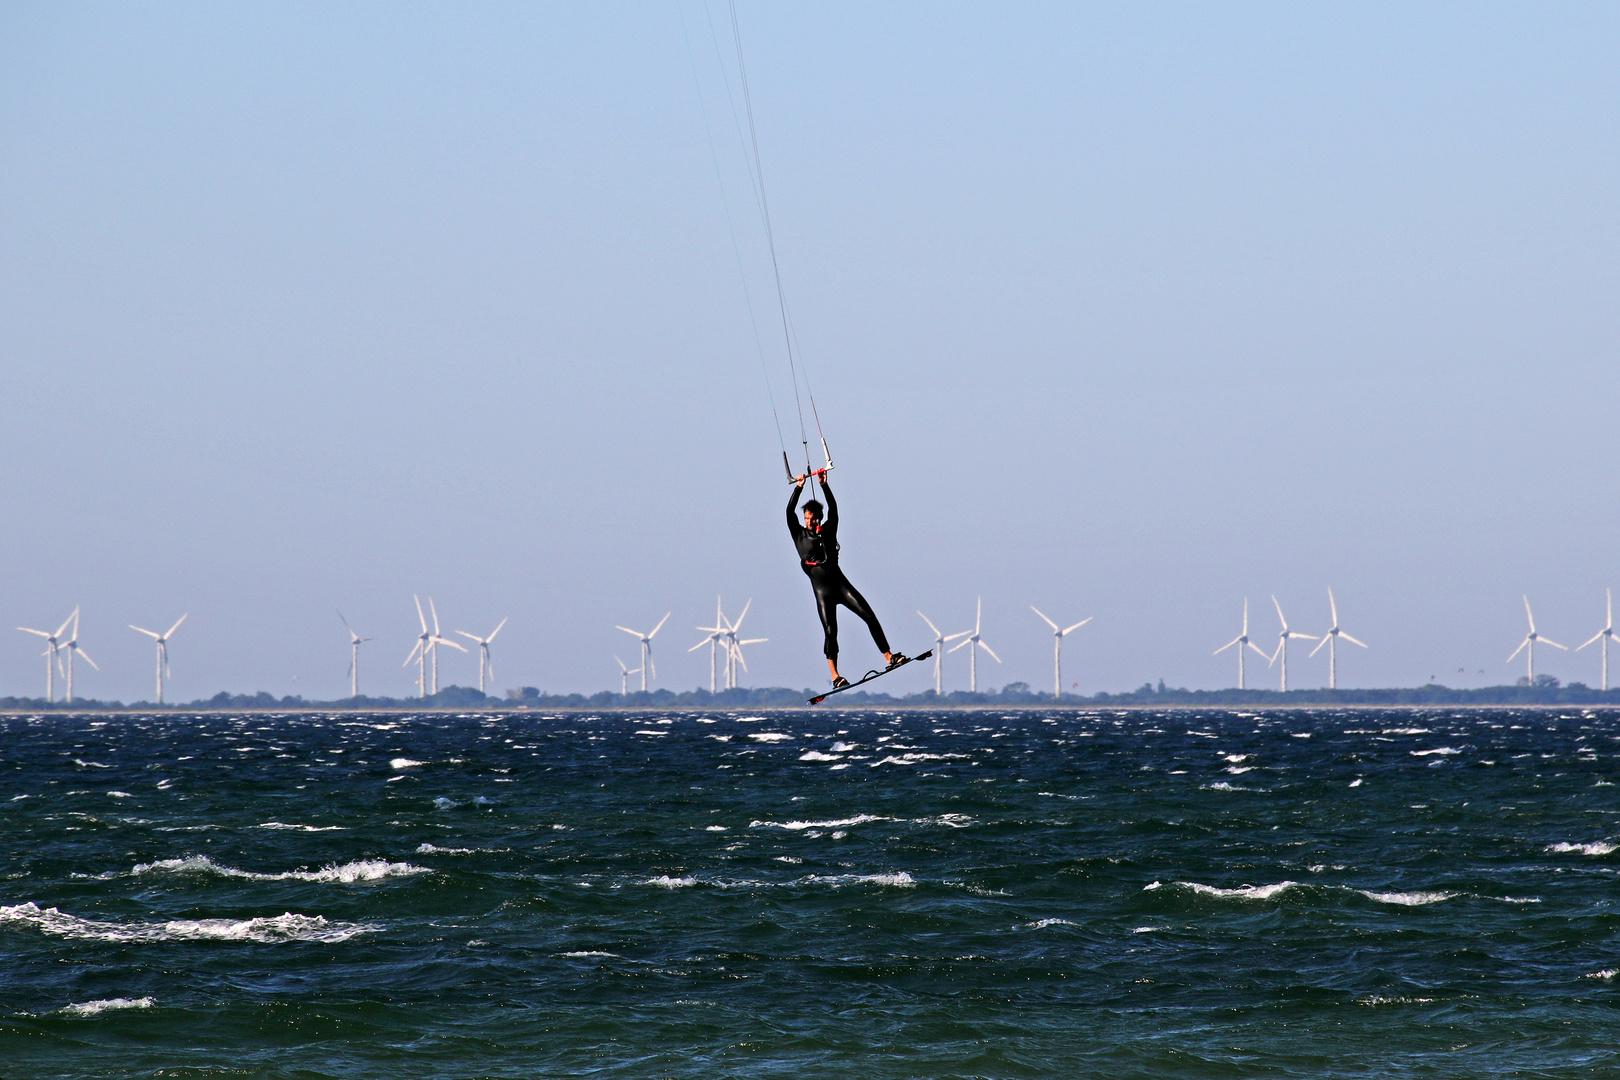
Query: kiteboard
point(870, 675)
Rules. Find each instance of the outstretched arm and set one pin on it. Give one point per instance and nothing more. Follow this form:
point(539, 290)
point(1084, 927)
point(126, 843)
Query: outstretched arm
point(831, 524)
point(793, 505)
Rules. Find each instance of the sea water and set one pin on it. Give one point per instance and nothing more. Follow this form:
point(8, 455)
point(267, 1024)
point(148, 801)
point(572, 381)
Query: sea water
point(828, 894)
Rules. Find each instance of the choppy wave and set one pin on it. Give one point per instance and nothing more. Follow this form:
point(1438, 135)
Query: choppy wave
point(405, 763)
point(1599, 847)
point(303, 828)
point(839, 823)
point(900, 880)
point(286, 927)
point(91, 1008)
point(1268, 892)
point(345, 873)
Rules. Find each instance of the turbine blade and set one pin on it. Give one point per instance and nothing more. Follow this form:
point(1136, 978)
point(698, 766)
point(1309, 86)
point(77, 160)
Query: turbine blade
point(1297, 634)
point(414, 650)
point(991, 651)
point(622, 667)
point(149, 633)
point(1352, 640)
point(1321, 643)
point(86, 658)
point(1595, 637)
point(1235, 641)
point(345, 621)
point(1279, 611)
point(60, 630)
point(1042, 614)
point(931, 626)
point(1257, 648)
point(470, 637)
point(1517, 651)
point(657, 628)
point(435, 613)
point(963, 633)
point(1333, 607)
point(1529, 616)
point(176, 626)
point(1078, 625)
point(495, 631)
point(419, 616)
point(446, 641)
point(626, 629)
point(958, 645)
point(1550, 641)
point(46, 634)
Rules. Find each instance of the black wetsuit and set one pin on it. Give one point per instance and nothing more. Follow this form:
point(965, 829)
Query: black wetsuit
point(818, 555)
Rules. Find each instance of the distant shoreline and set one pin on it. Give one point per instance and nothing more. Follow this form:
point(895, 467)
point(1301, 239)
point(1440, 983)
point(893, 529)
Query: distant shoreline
point(1548, 694)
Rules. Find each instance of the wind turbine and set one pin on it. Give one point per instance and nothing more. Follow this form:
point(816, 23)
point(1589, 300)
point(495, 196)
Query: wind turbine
point(734, 654)
point(354, 657)
point(1602, 635)
point(419, 651)
point(53, 642)
point(162, 650)
point(72, 647)
point(716, 633)
point(1057, 649)
point(436, 640)
point(483, 652)
point(624, 677)
point(1331, 640)
point(939, 648)
point(646, 649)
point(969, 640)
point(1241, 641)
point(1528, 645)
point(1282, 642)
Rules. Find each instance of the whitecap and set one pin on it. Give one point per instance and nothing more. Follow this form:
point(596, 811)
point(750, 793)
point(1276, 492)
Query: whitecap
point(588, 952)
point(1239, 770)
point(796, 826)
point(1598, 848)
point(443, 803)
point(901, 880)
point(1445, 750)
point(769, 736)
point(302, 828)
point(405, 763)
point(287, 927)
point(434, 849)
point(817, 755)
point(120, 794)
point(1242, 892)
point(1606, 975)
point(1222, 785)
point(664, 881)
point(346, 873)
point(1407, 899)
point(649, 731)
point(714, 828)
point(90, 764)
point(91, 1008)
point(1039, 924)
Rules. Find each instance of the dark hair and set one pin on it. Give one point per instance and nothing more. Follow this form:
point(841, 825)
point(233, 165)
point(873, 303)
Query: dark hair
point(813, 507)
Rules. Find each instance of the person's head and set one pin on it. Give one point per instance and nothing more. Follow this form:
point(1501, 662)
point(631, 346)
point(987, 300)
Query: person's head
point(812, 514)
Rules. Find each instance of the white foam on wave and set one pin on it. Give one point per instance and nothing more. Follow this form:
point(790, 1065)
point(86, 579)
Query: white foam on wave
point(912, 759)
point(769, 736)
point(434, 849)
point(120, 794)
point(1040, 924)
point(649, 731)
point(900, 880)
point(287, 927)
point(1242, 892)
point(1222, 785)
point(91, 1008)
point(405, 763)
point(664, 881)
point(588, 952)
point(302, 828)
point(817, 755)
point(797, 826)
point(1443, 750)
point(1606, 975)
point(345, 873)
point(1597, 848)
point(1378, 999)
point(90, 764)
point(1408, 899)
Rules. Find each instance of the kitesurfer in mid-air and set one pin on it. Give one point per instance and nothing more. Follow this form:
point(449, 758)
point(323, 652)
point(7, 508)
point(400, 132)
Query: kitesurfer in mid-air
point(817, 541)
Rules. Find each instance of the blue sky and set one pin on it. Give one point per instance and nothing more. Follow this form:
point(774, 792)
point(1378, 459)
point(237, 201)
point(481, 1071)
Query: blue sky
point(1128, 311)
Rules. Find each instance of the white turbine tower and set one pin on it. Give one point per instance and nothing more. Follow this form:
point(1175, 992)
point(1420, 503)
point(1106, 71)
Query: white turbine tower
point(939, 648)
point(971, 639)
point(1528, 645)
point(1057, 649)
point(436, 640)
point(419, 651)
point(716, 633)
point(53, 643)
point(484, 663)
point(734, 654)
point(1602, 635)
point(624, 677)
point(1241, 641)
point(1331, 640)
point(1282, 642)
point(646, 649)
point(354, 657)
point(162, 650)
point(72, 647)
